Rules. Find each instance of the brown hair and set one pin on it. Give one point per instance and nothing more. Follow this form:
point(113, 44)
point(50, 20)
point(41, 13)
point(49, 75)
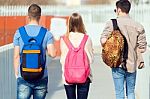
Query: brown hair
point(34, 12)
point(124, 5)
point(75, 24)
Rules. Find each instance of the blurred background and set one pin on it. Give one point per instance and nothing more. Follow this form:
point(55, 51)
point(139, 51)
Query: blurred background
point(66, 2)
point(55, 13)
point(95, 13)
point(53, 2)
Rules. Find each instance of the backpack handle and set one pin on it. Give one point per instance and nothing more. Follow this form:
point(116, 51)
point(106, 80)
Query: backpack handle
point(32, 39)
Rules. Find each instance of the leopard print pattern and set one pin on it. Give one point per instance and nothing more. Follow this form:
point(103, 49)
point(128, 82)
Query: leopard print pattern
point(112, 49)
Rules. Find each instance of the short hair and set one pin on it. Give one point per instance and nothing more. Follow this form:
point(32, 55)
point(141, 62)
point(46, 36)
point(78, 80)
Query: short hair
point(124, 5)
point(76, 22)
point(34, 12)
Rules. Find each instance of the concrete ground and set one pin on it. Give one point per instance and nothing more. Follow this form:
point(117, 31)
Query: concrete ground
point(101, 87)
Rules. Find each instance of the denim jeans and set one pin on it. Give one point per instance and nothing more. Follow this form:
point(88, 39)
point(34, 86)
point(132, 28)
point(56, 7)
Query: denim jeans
point(25, 89)
point(120, 78)
point(82, 90)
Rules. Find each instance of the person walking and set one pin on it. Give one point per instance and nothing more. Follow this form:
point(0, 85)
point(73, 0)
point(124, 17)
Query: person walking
point(30, 45)
point(76, 57)
point(136, 41)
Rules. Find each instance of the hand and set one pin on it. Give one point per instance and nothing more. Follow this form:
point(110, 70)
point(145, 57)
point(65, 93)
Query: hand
point(16, 74)
point(141, 65)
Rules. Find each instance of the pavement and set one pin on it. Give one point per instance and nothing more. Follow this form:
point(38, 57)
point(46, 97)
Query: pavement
point(101, 88)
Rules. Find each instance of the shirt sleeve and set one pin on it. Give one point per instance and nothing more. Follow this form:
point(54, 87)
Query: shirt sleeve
point(107, 30)
point(141, 43)
point(89, 50)
point(50, 38)
point(16, 38)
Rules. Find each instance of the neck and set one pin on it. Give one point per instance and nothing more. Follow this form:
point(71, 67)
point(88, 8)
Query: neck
point(76, 30)
point(122, 14)
point(33, 22)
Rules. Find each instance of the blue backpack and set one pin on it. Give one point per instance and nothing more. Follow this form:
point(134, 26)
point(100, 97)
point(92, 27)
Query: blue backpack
point(32, 58)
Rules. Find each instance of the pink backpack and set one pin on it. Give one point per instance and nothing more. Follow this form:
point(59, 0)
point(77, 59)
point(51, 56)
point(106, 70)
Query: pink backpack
point(77, 67)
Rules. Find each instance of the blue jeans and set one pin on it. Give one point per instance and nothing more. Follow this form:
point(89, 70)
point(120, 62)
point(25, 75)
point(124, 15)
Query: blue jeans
point(25, 89)
point(120, 78)
point(82, 90)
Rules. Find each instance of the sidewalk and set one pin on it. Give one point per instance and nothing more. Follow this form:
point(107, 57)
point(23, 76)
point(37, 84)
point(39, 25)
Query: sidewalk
point(101, 87)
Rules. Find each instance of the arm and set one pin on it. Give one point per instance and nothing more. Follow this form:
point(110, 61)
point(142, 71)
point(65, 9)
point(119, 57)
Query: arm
point(141, 40)
point(50, 45)
point(106, 32)
point(16, 59)
point(89, 50)
point(64, 50)
point(51, 50)
point(140, 60)
point(141, 46)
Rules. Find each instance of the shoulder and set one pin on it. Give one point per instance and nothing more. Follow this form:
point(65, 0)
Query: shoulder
point(89, 41)
point(136, 23)
point(109, 25)
point(109, 22)
point(48, 34)
point(49, 37)
point(62, 39)
point(139, 27)
point(47, 31)
point(16, 38)
point(89, 38)
point(17, 34)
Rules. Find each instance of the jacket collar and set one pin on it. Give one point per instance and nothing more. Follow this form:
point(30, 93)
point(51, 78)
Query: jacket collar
point(126, 16)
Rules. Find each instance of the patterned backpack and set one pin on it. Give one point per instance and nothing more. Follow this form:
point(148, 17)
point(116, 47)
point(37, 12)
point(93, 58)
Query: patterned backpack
point(113, 49)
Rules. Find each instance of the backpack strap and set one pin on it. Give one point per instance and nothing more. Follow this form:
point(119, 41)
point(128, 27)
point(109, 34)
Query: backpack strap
point(82, 44)
point(115, 25)
point(125, 49)
point(41, 35)
point(69, 45)
point(24, 35)
point(26, 38)
point(67, 41)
